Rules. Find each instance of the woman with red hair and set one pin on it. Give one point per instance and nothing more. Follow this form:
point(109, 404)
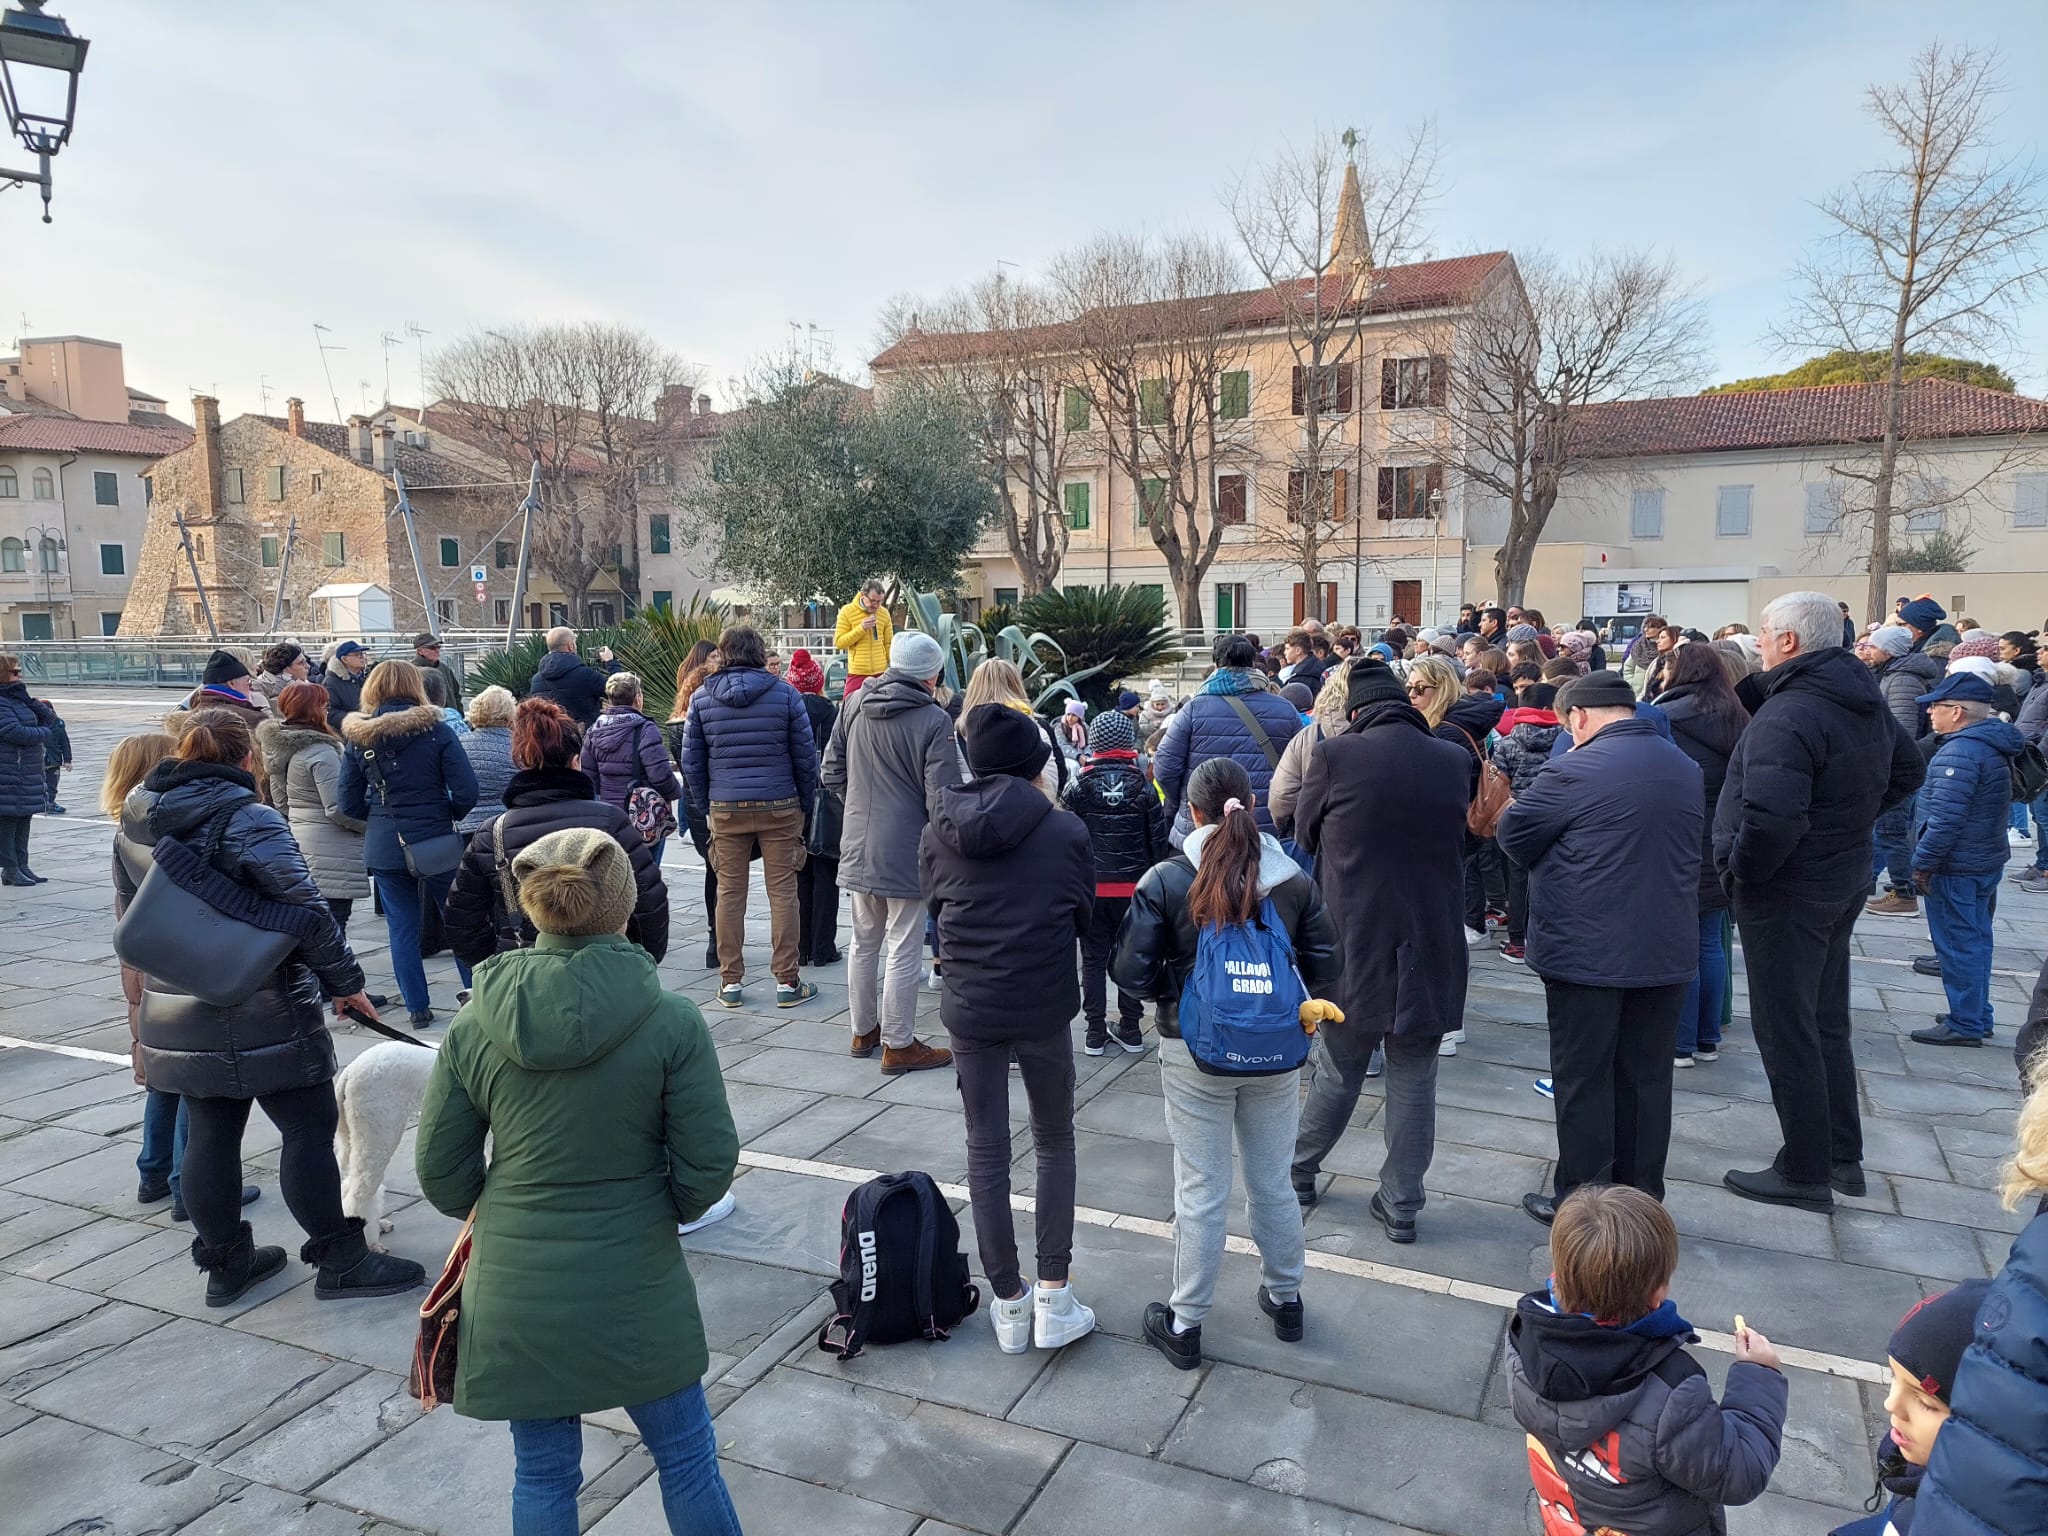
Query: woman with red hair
point(302, 761)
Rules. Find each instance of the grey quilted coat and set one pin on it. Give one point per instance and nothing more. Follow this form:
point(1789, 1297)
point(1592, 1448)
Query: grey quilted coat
point(304, 768)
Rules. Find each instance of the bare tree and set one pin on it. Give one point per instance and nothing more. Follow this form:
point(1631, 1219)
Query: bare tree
point(1934, 251)
point(1316, 224)
point(999, 346)
point(1154, 335)
point(1543, 341)
point(582, 401)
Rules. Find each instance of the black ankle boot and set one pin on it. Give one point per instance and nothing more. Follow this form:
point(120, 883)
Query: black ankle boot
point(349, 1268)
point(235, 1266)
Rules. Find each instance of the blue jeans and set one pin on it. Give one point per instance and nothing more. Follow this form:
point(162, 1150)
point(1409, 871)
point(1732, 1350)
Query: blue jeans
point(1959, 909)
point(1699, 1016)
point(1894, 846)
point(400, 895)
point(548, 1468)
point(163, 1139)
point(2040, 813)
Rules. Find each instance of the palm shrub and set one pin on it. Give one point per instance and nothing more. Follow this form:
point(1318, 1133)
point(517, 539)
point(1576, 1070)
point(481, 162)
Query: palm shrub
point(658, 640)
point(1103, 634)
point(513, 669)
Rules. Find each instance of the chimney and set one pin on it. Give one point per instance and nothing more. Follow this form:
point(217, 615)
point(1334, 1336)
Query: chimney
point(359, 439)
point(295, 416)
point(703, 405)
point(206, 438)
point(673, 406)
point(381, 438)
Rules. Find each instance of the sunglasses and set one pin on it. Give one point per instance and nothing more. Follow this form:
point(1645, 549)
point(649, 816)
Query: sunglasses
point(1415, 689)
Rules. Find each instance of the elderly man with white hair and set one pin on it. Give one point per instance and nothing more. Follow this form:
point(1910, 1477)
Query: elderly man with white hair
point(569, 680)
point(1821, 759)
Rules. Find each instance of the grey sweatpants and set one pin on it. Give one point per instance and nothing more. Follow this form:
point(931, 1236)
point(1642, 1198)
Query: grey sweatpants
point(1336, 1073)
point(1202, 1112)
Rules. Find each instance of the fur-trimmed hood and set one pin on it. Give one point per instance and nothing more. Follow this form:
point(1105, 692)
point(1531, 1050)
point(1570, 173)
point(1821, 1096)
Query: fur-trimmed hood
point(281, 743)
point(390, 724)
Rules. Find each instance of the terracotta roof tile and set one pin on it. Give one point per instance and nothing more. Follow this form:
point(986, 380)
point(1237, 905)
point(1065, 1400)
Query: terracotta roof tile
point(423, 470)
point(1799, 418)
point(64, 434)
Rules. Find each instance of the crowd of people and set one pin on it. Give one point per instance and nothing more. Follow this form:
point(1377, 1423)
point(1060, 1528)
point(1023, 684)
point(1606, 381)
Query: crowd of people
point(1289, 869)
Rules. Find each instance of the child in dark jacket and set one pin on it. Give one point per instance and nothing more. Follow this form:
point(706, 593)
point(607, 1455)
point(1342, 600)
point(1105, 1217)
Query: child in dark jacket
point(1127, 830)
point(1623, 1428)
point(1521, 747)
point(56, 760)
point(1925, 1351)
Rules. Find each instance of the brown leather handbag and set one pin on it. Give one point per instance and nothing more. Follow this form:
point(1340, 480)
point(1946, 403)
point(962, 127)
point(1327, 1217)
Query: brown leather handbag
point(432, 1378)
point(1495, 794)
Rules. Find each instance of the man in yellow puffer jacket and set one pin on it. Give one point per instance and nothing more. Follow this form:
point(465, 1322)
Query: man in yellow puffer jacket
point(863, 632)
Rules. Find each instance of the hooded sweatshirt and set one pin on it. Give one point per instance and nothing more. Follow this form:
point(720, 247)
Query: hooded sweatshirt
point(1629, 1421)
point(1010, 880)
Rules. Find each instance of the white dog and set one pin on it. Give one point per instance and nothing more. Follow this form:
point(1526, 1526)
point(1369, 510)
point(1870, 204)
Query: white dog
point(379, 1096)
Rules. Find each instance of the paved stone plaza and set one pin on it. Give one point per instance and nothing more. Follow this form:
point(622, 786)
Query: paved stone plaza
point(127, 1407)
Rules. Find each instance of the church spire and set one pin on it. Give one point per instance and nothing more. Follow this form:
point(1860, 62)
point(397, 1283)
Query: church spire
point(1349, 250)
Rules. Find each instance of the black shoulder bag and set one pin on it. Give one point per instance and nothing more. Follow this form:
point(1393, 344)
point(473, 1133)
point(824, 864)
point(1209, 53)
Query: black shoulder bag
point(425, 857)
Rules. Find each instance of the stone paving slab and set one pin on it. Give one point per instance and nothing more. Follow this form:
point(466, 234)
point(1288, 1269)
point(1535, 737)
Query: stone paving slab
point(110, 1486)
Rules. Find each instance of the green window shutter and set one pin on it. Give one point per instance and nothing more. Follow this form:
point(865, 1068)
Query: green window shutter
point(1152, 503)
point(1075, 405)
point(506, 554)
point(451, 552)
point(274, 481)
point(657, 533)
point(334, 548)
point(1076, 495)
point(664, 600)
point(271, 550)
point(1236, 403)
point(1152, 402)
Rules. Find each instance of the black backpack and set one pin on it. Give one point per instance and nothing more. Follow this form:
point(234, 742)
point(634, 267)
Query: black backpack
point(901, 1272)
point(2029, 775)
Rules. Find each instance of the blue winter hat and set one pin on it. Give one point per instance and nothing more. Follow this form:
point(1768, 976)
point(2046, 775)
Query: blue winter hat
point(1959, 688)
point(1923, 613)
point(348, 648)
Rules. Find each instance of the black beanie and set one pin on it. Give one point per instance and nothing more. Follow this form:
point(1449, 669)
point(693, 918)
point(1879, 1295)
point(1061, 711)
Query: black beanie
point(1371, 682)
point(222, 667)
point(1930, 1340)
point(1596, 690)
point(1006, 741)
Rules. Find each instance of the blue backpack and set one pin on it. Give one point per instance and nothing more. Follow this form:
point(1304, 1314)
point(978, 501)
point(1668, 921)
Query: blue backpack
point(1240, 1007)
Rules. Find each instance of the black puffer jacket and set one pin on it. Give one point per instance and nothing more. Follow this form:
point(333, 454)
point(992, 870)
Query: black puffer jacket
point(1468, 723)
point(572, 683)
point(539, 801)
point(1009, 880)
point(1125, 821)
point(1155, 948)
point(1821, 760)
point(1902, 681)
point(277, 1038)
point(25, 727)
point(1709, 740)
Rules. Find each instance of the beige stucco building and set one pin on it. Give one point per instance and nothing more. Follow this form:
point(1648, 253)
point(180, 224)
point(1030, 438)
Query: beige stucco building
point(74, 440)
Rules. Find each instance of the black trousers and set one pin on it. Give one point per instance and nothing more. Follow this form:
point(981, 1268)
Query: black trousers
point(1797, 955)
point(1610, 1063)
point(14, 841)
point(1518, 902)
point(1047, 1067)
point(1096, 945)
point(342, 907)
point(817, 909)
point(211, 1175)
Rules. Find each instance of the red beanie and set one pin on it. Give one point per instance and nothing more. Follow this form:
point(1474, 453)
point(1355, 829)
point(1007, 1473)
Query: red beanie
point(804, 673)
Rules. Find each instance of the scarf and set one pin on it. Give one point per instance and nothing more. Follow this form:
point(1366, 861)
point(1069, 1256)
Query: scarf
point(1229, 680)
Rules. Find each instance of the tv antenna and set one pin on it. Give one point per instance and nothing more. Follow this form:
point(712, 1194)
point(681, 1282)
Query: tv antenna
point(263, 391)
point(389, 342)
point(415, 330)
point(320, 333)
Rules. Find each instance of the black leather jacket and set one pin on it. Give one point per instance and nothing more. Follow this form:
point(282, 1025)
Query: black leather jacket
point(277, 1038)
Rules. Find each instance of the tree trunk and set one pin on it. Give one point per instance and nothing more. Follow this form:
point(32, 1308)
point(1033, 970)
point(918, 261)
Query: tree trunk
point(1877, 592)
point(1187, 589)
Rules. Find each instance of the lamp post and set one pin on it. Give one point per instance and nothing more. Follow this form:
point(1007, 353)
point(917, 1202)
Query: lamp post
point(48, 544)
point(40, 62)
point(1436, 570)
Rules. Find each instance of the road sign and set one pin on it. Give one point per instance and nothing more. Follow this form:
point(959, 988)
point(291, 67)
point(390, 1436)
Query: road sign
point(477, 575)
point(481, 592)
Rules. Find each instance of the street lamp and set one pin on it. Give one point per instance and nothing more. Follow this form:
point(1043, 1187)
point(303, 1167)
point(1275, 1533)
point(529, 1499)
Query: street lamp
point(48, 544)
point(40, 62)
point(1436, 571)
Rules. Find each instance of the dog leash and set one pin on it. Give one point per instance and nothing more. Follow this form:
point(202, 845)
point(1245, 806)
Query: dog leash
point(384, 1029)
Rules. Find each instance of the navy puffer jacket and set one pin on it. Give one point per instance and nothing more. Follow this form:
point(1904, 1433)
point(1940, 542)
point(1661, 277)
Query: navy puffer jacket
point(429, 785)
point(623, 751)
point(747, 737)
point(571, 682)
point(1989, 1472)
point(1960, 817)
point(1207, 726)
point(25, 726)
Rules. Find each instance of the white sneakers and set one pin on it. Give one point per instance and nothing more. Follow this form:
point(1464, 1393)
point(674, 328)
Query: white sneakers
point(721, 1208)
point(1475, 936)
point(1449, 1043)
point(1047, 1316)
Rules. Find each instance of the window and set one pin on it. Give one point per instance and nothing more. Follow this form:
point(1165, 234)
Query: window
point(1411, 383)
point(1075, 494)
point(444, 608)
point(1006, 597)
point(1074, 409)
point(113, 560)
point(657, 472)
point(1327, 503)
point(198, 615)
point(43, 487)
point(1731, 512)
point(1406, 490)
point(10, 487)
point(110, 623)
point(149, 490)
point(657, 533)
point(1231, 500)
point(1646, 515)
point(1152, 403)
point(1926, 520)
point(1824, 507)
point(1326, 607)
point(106, 488)
point(558, 613)
point(501, 611)
point(271, 548)
point(232, 479)
point(273, 482)
point(597, 613)
point(319, 482)
point(451, 552)
point(48, 551)
point(506, 554)
point(1234, 399)
point(1231, 611)
point(334, 548)
point(37, 626)
point(1330, 384)
point(284, 609)
point(13, 555)
point(199, 546)
point(1151, 500)
point(2030, 501)
point(664, 600)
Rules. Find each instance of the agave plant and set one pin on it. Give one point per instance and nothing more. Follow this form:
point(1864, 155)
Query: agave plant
point(1037, 656)
point(1103, 635)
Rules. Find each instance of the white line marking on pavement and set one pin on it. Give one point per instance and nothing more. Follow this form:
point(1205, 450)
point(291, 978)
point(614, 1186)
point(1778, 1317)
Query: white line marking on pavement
point(8, 1042)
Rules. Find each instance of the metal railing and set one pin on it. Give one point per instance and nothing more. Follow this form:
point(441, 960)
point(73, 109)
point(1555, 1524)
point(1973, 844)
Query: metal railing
point(179, 662)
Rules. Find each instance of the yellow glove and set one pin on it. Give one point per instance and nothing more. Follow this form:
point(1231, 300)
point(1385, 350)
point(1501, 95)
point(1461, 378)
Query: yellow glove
point(1315, 1011)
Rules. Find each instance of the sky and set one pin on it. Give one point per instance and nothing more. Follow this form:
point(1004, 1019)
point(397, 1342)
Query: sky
point(715, 175)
